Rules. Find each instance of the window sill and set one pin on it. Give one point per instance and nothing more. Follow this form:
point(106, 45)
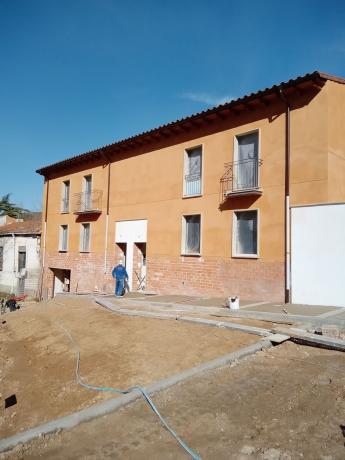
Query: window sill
point(245, 256)
point(84, 252)
point(63, 250)
point(195, 254)
point(191, 196)
point(64, 212)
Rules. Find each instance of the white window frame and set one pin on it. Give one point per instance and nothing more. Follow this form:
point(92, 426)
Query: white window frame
point(234, 234)
point(185, 165)
point(184, 232)
point(82, 230)
point(235, 147)
point(63, 210)
point(61, 249)
point(85, 208)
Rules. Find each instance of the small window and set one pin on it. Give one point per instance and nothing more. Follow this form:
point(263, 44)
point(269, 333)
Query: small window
point(245, 234)
point(63, 238)
point(65, 196)
point(85, 238)
point(191, 234)
point(1, 258)
point(21, 258)
point(192, 172)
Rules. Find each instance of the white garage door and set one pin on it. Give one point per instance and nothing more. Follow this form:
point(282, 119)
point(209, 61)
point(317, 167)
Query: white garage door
point(318, 254)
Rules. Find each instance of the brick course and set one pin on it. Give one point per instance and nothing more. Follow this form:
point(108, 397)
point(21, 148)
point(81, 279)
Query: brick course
point(250, 279)
point(247, 278)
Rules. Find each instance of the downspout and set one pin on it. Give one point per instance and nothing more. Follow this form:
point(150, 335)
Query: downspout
point(44, 242)
point(107, 222)
point(14, 261)
point(45, 226)
point(287, 199)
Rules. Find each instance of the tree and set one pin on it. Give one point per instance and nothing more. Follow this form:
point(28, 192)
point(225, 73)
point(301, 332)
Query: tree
point(10, 209)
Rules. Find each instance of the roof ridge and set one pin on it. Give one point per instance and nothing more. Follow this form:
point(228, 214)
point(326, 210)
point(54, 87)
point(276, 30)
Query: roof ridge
point(204, 113)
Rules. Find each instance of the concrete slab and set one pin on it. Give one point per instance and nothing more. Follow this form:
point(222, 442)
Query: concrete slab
point(310, 315)
point(340, 314)
point(181, 299)
point(292, 309)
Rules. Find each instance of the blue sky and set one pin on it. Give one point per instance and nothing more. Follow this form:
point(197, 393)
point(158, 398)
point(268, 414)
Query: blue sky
point(79, 74)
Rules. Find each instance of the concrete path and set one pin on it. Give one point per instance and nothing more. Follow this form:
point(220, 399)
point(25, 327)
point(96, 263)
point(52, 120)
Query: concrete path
point(311, 316)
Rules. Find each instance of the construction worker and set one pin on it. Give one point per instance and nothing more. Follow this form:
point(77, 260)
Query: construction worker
point(120, 274)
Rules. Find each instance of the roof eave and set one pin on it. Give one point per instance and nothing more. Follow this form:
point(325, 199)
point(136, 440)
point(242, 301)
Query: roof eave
point(139, 138)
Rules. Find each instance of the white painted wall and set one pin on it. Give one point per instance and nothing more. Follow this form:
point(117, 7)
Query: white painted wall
point(318, 255)
point(130, 232)
point(9, 274)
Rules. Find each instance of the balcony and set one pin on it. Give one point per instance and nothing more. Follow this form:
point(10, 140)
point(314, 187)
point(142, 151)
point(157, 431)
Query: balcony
point(88, 202)
point(241, 178)
point(192, 185)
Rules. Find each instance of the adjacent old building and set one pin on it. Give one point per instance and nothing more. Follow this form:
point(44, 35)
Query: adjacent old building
point(20, 257)
point(212, 204)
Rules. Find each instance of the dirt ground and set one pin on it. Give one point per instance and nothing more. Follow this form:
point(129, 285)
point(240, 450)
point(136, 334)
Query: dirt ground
point(37, 360)
point(284, 403)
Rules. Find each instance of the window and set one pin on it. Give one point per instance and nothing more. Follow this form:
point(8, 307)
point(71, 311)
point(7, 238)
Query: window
point(1, 258)
point(65, 196)
point(191, 234)
point(87, 202)
point(245, 171)
point(63, 238)
point(85, 238)
point(192, 172)
point(21, 258)
point(245, 234)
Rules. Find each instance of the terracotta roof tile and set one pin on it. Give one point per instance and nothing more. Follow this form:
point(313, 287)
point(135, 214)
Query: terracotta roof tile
point(200, 115)
point(30, 227)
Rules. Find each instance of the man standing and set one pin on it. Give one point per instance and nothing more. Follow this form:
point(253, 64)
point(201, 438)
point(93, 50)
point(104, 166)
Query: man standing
point(120, 274)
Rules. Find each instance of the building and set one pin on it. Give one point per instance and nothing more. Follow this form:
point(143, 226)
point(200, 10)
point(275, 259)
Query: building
point(20, 257)
point(211, 204)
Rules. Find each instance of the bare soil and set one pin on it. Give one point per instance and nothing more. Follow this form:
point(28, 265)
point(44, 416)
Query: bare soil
point(284, 403)
point(37, 360)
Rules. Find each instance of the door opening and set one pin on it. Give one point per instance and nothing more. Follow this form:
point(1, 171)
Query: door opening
point(62, 280)
point(140, 265)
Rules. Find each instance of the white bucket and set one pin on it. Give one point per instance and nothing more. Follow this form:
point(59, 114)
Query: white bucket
point(234, 303)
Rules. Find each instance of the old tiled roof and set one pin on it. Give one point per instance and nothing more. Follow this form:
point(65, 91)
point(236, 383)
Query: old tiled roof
point(30, 227)
point(95, 154)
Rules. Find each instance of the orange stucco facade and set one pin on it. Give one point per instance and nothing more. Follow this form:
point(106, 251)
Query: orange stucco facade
point(147, 183)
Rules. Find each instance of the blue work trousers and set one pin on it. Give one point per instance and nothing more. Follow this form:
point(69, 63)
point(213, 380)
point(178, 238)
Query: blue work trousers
point(119, 286)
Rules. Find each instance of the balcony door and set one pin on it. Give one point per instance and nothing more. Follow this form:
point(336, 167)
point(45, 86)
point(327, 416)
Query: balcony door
point(87, 192)
point(246, 161)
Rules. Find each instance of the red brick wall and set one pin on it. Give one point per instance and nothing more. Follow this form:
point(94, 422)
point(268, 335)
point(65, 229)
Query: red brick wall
point(87, 271)
point(250, 279)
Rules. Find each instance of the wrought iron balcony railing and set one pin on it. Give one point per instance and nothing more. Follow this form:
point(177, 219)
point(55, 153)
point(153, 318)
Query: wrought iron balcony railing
point(192, 184)
point(241, 178)
point(88, 202)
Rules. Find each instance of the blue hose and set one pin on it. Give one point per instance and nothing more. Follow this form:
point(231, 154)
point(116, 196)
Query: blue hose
point(124, 392)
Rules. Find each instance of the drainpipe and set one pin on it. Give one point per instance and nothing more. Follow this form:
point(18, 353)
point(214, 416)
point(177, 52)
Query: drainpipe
point(44, 242)
point(287, 199)
point(14, 261)
point(107, 222)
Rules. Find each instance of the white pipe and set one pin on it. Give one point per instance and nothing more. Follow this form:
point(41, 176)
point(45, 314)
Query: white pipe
point(14, 261)
point(106, 243)
point(288, 239)
point(44, 244)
